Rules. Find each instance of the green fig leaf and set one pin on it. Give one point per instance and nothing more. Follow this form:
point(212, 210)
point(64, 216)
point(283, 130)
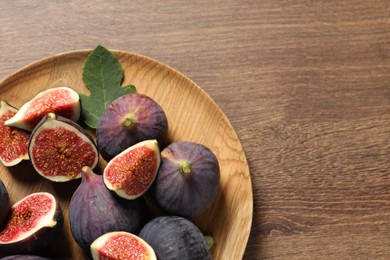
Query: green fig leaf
point(103, 75)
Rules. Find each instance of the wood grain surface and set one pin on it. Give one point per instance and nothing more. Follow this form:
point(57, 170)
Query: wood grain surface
point(305, 84)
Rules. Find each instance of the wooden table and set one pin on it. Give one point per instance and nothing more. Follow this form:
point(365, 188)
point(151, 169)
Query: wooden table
point(306, 85)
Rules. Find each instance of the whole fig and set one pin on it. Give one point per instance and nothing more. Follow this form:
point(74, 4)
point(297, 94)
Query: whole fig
point(94, 210)
point(5, 205)
point(128, 120)
point(24, 257)
point(174, 237)
point(187, 181)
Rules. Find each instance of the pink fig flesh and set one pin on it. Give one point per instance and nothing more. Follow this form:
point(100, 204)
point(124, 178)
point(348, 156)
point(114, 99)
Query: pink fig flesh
point(58, 149)
point(121, 245)
point(132, 172)
point(13, 141)
point(63, 101)
point(32, 223)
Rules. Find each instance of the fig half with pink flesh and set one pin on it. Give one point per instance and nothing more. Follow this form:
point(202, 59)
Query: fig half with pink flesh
point(5, 205)
point(13, 141)
point(187, 181)
point(59, 148)
point(33, 224)
point(63, 101)
point(132, 172)
point(128, 120)
point(121, 245)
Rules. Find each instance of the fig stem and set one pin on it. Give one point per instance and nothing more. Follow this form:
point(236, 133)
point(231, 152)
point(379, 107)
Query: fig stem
point(185, 167)
point(129, 122)
point(209, 241)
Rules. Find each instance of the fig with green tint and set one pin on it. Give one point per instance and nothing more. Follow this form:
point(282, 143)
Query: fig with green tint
point(94, 210)
point(33, 224)
point(132, 172)
point(128, 120)
point(188, 179)
point(174, 237)
point(13, 141)
point(63, 101)
point(59, 148)
point(121, 245)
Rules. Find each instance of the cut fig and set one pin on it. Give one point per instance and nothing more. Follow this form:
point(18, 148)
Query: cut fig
point(128, 120)
point(174, 237)
point(59, 148)
point(13, 141)
point(121, 245)
point(187, 181)
point(33, 224)
point(63, 101)
point(94, 210)
point(5, 205)
point(132, 172)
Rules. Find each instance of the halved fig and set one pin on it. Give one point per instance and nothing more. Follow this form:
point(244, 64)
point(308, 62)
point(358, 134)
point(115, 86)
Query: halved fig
point(13, 141)
point(32, 225)
point(174, 237)
point(121, 245)
point(130, 173)
point(128, 120)
point(187, 181)
point(94, 211)
point(5, 205)
point(59, 148)
point(63, 101)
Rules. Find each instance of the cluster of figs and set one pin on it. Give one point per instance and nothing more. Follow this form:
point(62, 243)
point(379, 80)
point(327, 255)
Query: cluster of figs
point(109, 213)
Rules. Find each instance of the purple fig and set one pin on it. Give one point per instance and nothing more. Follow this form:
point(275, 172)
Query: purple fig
point(5, 205)
point(94, 210)
point(13, 141)
point(59, 148)
point(24, 257)
point(128, 120)
point(132, 172)
point(174, 237)
point(33, 224)
point(188, 179)
point(121, 245)
point(63, 101)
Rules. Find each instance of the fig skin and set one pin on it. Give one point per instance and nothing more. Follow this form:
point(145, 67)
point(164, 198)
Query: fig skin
point(5, 205)
point(121, 245)
point(174, 237)
point(24, 257)
point(187, 181)
point(42, 238)
point(128, 120)
point(64, 157)
point(94, 211)
point(13, 141)
point(63, 101)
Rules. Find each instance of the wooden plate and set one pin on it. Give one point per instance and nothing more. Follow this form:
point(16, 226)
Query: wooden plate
point(192, 115)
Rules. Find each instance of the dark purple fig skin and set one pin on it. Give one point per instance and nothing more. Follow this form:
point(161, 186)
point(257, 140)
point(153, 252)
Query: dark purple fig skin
point(5, 205)
point(174, 237)
point(94, 211)
point(186, 194)
point(39, 241)
point(150, 122)
point(24, 257)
